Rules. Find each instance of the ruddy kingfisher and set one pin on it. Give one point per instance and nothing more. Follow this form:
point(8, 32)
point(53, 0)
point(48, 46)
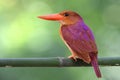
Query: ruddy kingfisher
point(77, 36)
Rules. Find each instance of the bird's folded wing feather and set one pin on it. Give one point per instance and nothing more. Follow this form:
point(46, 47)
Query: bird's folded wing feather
point(82, 42)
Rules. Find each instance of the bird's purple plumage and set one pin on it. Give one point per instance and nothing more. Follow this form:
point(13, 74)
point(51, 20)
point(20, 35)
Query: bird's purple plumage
point(80, 39)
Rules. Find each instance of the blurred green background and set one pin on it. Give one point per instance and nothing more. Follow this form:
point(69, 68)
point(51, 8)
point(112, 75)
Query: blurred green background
point(23, 35)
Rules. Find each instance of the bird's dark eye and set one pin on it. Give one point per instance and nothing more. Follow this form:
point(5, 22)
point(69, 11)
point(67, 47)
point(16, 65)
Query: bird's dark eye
point(66, 14)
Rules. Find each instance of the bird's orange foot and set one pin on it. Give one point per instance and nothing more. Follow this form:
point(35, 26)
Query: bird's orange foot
point(73, 57)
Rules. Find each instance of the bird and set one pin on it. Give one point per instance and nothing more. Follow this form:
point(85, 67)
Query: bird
point(77, 36)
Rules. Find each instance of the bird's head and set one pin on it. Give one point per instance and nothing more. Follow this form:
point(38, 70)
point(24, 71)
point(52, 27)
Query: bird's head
point(64, 17)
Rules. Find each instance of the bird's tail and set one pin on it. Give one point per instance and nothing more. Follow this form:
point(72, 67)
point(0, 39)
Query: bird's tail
point(94, 63)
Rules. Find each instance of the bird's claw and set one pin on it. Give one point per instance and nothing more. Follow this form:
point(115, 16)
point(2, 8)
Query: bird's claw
point(73, 57)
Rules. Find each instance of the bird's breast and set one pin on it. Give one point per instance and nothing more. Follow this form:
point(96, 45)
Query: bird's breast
point(71, 32)
point(79, 36)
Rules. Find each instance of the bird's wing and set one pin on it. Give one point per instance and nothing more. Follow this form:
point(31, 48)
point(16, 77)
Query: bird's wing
point(81, 43)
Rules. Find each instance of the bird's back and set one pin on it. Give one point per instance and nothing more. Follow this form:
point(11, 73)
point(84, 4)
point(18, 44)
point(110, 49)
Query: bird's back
point(79, 39)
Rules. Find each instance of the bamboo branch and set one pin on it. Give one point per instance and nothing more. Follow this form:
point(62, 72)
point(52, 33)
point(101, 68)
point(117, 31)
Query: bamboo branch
point(55, 62)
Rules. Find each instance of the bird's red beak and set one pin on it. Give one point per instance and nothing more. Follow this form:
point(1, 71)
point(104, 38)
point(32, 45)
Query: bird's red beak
point(53, 17)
